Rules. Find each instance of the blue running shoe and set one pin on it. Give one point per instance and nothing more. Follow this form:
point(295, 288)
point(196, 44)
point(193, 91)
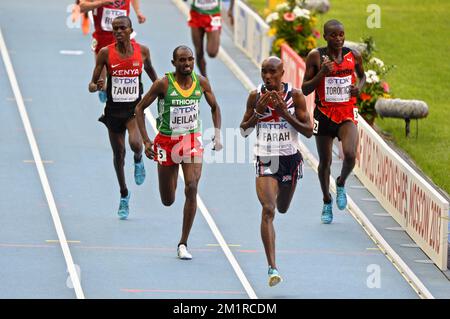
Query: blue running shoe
point(341, 197)
point(139, 172)
point(327, 213)
point(123, 207)
point(102, 96)
point(274, 277)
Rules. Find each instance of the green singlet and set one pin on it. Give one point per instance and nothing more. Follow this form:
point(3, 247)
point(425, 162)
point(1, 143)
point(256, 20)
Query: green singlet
point(206, 6)
point(179, 110)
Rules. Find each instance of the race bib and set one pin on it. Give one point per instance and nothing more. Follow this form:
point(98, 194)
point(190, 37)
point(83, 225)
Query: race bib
point(125, 89)
point(161, 154)
point(184, 118)
point(316, 126)
point(216, 22)
point(206, 4)
point(109, 15)
point(275, 135)
point(337, 89)
point(355, 114)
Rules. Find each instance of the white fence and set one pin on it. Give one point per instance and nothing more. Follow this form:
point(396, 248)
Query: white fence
point(250, 33)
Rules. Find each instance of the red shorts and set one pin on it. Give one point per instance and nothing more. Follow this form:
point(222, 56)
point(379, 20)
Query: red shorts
point(341, 114)
point(101, 40)
point(172, 150)
point(205, 21)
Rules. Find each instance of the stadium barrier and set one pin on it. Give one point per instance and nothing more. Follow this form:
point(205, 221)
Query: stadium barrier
point(250, 33)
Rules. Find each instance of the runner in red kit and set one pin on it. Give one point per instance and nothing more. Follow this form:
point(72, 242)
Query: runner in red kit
point(330, 72)
point(205, 19)
point(104, 12)
point(124, 61)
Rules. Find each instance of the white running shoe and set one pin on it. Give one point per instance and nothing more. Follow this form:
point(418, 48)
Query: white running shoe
point(183, 252)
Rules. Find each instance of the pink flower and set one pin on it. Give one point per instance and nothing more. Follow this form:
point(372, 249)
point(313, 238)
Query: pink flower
point(289, 16)
point(385, 87)
point(316, 34)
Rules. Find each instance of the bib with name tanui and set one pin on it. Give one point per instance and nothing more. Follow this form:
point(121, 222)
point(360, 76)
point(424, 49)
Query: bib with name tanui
point(125, 75)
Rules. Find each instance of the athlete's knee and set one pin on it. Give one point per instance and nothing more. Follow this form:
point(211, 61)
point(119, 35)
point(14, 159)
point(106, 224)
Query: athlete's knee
point(350, 157)
point(212, 53)
point(190, 190)
point(167, 200)
point(283, 208)
point(324, 164)
point(268, 210)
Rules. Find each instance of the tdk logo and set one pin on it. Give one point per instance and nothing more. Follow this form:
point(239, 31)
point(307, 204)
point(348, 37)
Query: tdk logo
point(338, 81)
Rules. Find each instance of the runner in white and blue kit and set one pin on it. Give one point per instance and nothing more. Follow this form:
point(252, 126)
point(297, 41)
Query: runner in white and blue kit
point(278, 111)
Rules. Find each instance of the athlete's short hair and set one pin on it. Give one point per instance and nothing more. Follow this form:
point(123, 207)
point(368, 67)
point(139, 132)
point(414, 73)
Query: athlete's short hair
point(125, 18)
point(331, 23)
point(180, 47)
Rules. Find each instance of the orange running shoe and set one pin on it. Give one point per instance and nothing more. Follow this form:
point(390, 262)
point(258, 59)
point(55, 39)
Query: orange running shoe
point(85, 24)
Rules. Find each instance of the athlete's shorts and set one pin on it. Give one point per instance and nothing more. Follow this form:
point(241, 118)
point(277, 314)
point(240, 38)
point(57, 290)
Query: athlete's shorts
point(205, 21)
point(326, 126)
point(172, 150)
point(285, 169)
point(116, 124)
point(100, 41)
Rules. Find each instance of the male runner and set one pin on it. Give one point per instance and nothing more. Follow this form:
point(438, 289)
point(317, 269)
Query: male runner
point(205, 18)
point(179, 137)
point(104, 12)
point(330, 71)
point(124, 61)
point(279, 113)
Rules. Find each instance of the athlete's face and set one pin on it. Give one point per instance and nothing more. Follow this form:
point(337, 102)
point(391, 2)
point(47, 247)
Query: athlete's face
point(121, 29)
point(271, 74)
point(335, 36)
point(184, 62)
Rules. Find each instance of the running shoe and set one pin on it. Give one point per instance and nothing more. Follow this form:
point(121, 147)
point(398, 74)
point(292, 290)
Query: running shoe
point(102, 96)
point(123, 207)
point(139, 172)
point(341, 197)
point(327, 213)
point(183, 253)
point(274, 277)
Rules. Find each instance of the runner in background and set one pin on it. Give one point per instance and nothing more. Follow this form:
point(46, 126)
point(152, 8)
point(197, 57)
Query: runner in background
point(104, 12)
point(205, 19)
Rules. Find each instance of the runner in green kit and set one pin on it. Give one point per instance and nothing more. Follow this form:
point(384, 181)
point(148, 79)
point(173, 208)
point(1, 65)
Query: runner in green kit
point(179, 134)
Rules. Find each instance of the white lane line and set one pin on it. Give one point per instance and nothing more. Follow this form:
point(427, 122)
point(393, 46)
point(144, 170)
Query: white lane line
point(71, 52)
point(215, 230)
point(40, 167)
